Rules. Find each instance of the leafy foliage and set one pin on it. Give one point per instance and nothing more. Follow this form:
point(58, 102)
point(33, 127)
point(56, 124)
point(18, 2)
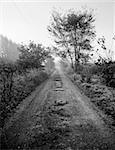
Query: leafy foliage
point(17, 80)
point(101, 96)
point(108, 73)
point(73, 31)
point(14, 88)
point(104, 53)
point(31, 56)
point(7, 72)
point(106, 65)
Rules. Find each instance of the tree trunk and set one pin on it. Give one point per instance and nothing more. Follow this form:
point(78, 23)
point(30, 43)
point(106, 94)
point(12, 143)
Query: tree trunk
point(75, 50)
point(76, 58)
point(72, 64)
point(71, 59)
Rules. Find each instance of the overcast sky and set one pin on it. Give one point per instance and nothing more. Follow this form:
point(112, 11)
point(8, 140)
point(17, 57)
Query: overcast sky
point(22, 20)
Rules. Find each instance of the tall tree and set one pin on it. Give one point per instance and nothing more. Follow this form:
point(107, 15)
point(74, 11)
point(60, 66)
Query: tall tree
point(74, 31)
point(57, 29)
point(32, 56)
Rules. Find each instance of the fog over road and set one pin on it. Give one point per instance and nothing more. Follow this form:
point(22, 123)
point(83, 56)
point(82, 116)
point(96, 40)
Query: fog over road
point(57, 116)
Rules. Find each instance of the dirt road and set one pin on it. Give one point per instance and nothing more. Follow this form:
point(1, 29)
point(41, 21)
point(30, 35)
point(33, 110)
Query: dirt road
point(58, 117)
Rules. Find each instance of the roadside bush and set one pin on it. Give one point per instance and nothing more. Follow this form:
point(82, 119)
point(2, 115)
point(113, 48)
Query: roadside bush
point(7, 73)
point(86, 72)
point(101, 96)
point(80, 68)
point(112, 83)
point(37, 79)
point(19, 79)
point(107, 72)
point(21, 88)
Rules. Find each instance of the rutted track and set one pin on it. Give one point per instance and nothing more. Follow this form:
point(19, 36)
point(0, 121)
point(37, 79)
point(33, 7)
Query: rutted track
point(58, 117)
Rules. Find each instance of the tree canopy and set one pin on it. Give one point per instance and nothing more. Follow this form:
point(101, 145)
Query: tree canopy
point(74, 32)
point(32, 56)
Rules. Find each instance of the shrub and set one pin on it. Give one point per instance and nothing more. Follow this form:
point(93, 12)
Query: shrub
point(107, 72)
point(86, 73)
point(112, 83)
point(39, 78)
point(101, 96)
point(21, 88)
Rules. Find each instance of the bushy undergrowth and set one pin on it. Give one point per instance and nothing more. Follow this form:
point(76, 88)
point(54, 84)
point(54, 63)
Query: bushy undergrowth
point(105, 71)
point(22, 86)
point(108, 73)
point(18, 79)
point(101, 95)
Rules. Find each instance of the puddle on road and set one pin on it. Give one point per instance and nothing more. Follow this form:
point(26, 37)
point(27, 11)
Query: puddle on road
point(58, 84)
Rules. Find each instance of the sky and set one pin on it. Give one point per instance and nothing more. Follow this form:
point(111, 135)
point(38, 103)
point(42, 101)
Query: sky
point(24, 20)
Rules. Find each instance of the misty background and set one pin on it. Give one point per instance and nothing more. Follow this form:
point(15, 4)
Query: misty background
point(22, 21)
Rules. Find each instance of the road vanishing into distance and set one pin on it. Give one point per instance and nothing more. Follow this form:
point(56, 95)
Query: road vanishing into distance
point(56, 116)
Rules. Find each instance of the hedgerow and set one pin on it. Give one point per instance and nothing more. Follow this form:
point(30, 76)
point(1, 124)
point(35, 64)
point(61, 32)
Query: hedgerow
point(22, 86)
point(18, 79)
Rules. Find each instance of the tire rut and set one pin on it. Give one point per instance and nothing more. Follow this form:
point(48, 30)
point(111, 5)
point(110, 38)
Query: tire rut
point(55, 120)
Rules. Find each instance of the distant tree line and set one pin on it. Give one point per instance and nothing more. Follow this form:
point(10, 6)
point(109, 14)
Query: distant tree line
point(8, 49)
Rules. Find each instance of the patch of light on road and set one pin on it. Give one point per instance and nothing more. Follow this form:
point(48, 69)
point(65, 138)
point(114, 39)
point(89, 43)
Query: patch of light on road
point(57, 62)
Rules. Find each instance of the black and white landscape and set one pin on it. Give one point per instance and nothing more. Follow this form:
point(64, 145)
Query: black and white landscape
point(57, 75)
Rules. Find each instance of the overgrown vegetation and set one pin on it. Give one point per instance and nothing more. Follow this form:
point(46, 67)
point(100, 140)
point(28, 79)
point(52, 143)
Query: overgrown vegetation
point(97, 81)
point(73, 33)
point(19, 79)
